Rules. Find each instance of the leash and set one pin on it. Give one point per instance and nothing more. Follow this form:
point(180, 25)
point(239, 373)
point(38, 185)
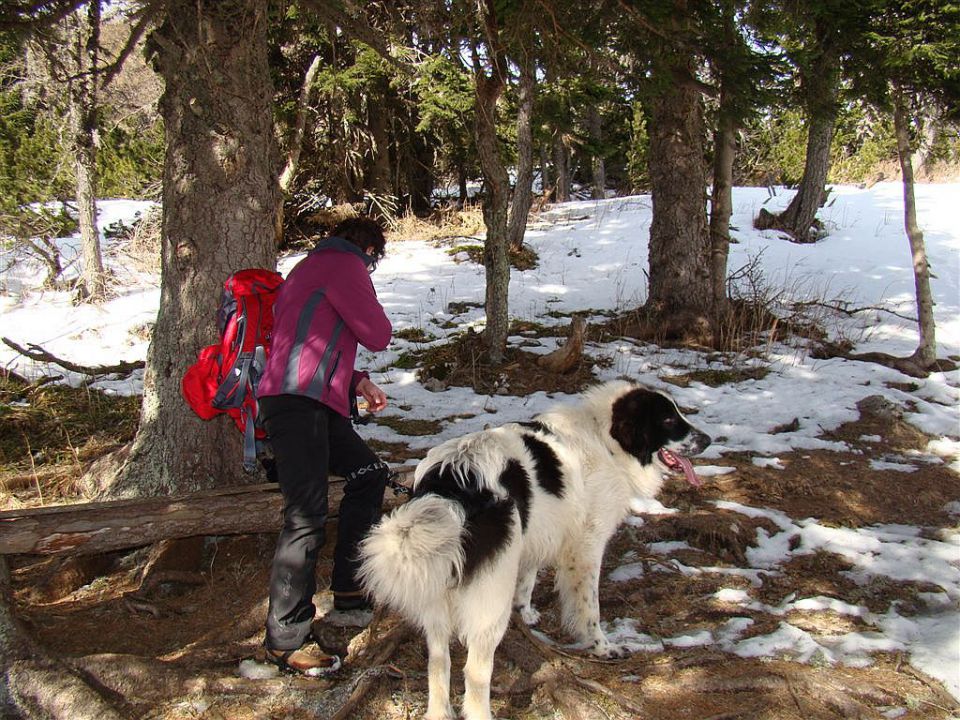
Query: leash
point(398, 487)
point(392, 476)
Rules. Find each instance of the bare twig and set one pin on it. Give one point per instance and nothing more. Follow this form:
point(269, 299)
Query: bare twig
point(548, 650)
point(35, 352)
point(595, 687)
point(136, 33)
point(850, 312)
point(376, 668)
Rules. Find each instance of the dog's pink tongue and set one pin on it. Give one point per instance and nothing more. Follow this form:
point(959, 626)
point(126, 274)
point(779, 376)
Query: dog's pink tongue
point(688, 470)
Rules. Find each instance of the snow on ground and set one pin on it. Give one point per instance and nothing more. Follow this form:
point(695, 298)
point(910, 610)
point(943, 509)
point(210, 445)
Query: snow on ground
point(593, 257)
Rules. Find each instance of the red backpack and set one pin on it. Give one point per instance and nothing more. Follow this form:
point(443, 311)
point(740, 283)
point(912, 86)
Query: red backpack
point(224, 378)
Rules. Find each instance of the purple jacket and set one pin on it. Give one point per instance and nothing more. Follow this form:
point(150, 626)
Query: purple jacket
point(324, 308)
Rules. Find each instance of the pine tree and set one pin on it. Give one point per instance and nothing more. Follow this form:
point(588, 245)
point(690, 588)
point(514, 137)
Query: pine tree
point(911, 59)
point(818, 37)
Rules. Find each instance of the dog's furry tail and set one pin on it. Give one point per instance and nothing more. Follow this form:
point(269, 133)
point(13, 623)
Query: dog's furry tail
point(414, 555)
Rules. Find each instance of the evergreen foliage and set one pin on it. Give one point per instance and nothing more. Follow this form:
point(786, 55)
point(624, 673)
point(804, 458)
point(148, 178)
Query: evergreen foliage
point(590, 58)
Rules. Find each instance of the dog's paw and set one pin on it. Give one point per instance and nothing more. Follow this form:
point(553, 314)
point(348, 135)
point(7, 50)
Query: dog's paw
point(529, 614)
point(608, 650)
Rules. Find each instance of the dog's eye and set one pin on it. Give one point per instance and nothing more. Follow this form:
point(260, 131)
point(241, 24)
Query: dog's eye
point(670, 422)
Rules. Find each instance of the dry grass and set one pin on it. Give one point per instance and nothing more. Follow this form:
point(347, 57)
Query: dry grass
point(50, 433)
point(138, 247)
point(442, 224)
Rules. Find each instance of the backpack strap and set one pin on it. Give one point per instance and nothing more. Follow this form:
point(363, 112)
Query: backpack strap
point(237, 379)
point(232, 392)
point(249, 438)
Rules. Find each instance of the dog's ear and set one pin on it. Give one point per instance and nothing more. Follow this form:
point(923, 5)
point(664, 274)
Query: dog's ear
point(630, 426)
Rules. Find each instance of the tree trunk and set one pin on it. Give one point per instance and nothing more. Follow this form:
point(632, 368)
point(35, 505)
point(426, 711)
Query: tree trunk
point(380, 183)
point(926, 352)
point(597, 167)
point(721, 204)
point(220, 196)
point(523, 189)
point(558, 151)
point(83, 119)
point(569, 355)
point(561, 167)
point(545, 170)
point(295, 143)
point(799, 220)
point(496, 259)
point(680, 287)
point(418, 161)
point(462, 192)
point(99, 527)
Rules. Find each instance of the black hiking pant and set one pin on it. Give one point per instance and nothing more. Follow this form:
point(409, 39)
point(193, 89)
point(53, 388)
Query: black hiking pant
point(310, 441)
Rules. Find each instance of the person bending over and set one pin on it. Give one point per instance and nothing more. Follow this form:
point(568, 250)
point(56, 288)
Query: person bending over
point(326, 307)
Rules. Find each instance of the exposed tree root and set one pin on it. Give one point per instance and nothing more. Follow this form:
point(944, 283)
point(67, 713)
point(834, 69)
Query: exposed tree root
point(373, 647)
point(907, 365)
point(35, 685)
point(569, 355)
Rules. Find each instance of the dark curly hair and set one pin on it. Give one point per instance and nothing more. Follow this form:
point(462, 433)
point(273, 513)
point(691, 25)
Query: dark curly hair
point(363, 232)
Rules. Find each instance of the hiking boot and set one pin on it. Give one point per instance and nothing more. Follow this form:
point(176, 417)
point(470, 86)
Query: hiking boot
point(308, 660)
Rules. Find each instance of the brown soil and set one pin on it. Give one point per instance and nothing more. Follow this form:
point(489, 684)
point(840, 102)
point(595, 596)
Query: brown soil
point(171, 652)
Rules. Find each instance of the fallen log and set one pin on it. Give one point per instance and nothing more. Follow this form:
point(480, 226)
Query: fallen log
point(98, 527)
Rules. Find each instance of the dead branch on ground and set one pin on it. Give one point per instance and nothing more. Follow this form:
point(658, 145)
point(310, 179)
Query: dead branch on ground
point(37, 353)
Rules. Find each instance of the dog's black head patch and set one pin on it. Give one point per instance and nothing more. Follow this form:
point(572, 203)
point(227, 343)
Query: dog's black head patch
point(645, 422)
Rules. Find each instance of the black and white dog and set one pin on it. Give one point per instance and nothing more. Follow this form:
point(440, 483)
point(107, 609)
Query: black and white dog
point(491, 508)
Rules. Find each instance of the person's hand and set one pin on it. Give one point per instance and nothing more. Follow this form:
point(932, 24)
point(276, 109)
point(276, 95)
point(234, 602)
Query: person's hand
point(375, 397)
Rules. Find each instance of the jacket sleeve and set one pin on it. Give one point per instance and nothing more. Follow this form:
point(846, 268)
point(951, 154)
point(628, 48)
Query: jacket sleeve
point(353, 297)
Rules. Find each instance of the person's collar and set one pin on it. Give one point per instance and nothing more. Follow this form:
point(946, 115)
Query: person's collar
point(343, 245)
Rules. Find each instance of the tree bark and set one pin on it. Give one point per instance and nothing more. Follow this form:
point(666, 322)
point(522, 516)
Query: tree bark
point(418, 160)
point(523, 188)
point(463, 195)
point(569, 355)
point(220, 195)
point(545, 169)
point(820, 84)
point(488, 86)
point(721, 205)
point(83, 119)
point(380, 183)
point(926, 352)
point(99, 527)
point(295, 143)
point(724, 153)
point(799, 218)
point(680, 285)
point(597, 166)
point(557, 150)
point(561, 168)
